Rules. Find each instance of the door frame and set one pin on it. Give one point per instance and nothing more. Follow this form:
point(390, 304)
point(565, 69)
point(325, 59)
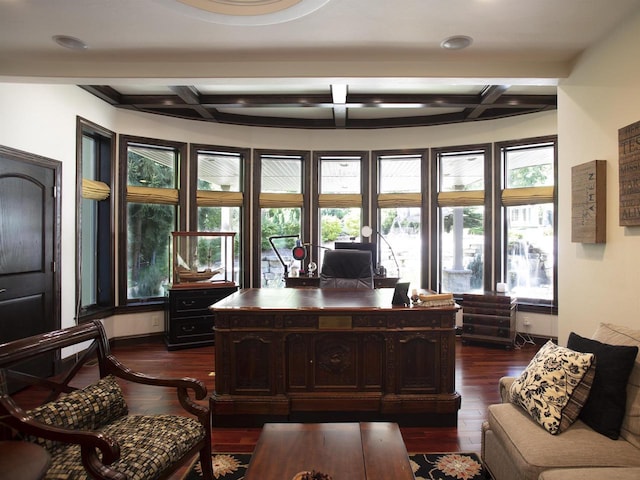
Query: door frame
point(56, 167)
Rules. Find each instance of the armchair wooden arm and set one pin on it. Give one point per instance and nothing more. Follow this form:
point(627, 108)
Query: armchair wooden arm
point(182, 385)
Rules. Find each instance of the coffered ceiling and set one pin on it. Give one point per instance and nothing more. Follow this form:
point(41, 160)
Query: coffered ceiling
point(287, 68)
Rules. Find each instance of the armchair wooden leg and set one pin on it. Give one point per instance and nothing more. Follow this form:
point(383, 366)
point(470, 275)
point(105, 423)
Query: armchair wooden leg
point(206, 464)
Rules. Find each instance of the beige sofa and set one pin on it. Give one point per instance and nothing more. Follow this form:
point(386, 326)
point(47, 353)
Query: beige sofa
point(516, 447)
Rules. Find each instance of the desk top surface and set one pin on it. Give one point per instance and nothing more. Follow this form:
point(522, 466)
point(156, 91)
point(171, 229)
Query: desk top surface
point(311, 299)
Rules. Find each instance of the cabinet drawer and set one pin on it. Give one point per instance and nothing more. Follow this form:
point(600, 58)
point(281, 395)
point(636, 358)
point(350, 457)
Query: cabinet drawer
point(191, 327)
point(489, 320)
point(483, 330)
point(196, 302)
point(190, 304)
point(487, 310)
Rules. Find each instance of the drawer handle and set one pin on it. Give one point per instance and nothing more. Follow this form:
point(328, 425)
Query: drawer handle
point(188, 303)
point(188, 328)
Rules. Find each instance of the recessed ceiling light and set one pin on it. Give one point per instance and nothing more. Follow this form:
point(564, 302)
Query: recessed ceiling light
point(457, 42)
point(72, 43)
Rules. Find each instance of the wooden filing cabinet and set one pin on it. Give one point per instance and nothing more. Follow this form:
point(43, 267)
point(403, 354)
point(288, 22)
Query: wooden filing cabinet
point(188, 320)
point(489, 318)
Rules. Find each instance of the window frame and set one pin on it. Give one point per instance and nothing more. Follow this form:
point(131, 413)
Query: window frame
point(365, 196)
point(436, 214)
point(256, 212)
point(105, 234)
point(245, 155)
point(139, 304)
point(500, 220)
point(425, 186)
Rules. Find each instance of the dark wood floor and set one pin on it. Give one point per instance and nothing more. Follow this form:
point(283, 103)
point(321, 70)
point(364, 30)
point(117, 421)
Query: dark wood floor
point(478, 369)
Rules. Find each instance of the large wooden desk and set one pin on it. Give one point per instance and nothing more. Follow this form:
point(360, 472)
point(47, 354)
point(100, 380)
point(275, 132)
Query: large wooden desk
point(295, 353)
point(346, 451)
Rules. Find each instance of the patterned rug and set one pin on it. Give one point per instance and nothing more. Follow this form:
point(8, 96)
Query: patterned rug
point(429, 466)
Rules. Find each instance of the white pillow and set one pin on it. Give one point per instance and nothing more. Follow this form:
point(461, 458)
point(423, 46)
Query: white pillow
point(554, 386)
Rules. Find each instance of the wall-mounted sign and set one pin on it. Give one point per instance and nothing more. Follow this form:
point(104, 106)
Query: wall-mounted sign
point(589, 202)
point(629, 161)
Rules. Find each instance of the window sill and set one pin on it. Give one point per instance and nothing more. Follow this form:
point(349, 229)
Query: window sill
point(95, 313)
point(533, 306)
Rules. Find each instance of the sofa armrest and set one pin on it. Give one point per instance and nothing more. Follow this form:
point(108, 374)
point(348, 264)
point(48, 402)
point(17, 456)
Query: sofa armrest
point(505, 385)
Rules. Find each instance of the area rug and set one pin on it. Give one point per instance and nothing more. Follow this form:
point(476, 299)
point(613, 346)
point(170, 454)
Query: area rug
point(426, 466)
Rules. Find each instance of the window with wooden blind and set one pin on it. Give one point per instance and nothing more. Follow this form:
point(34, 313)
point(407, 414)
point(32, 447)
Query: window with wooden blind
point(152, 177)
point(528, 201)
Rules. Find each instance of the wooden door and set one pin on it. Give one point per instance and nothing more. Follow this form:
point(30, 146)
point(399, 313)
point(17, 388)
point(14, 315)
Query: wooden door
point(29, 292)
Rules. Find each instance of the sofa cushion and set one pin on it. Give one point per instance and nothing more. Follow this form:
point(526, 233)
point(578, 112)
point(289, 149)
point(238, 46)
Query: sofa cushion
point(620, 335)
point(533, 450)
point(611, 473)
point(605, 407)
point(89, 408)
point(554, 386)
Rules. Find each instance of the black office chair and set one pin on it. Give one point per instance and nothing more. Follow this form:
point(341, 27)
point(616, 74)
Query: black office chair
point(346, 269)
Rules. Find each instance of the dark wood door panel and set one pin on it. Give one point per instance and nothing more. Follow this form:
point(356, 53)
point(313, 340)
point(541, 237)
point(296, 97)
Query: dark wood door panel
point(14, 322)
point(23, 250)
point(419, 363)
point(252, 361)
point(335, 362)
point(29, 251)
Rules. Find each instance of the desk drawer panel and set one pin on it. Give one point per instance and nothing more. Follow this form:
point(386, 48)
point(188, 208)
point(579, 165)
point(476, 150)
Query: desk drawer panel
point(300, 321)
point(370, 321)
point(445, 319)
point(244, 321)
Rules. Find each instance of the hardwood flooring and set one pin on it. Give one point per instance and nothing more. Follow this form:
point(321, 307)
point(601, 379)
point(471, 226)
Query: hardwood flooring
point(478, 368)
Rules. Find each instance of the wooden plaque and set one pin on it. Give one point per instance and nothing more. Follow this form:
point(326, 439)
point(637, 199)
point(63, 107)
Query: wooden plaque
point(629, 174)
point(589, 202)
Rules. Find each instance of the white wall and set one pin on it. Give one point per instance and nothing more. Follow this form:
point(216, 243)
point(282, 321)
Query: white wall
point(598, 283)
point(41, 119)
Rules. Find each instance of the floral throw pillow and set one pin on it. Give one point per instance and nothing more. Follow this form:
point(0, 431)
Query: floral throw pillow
point(554, 386)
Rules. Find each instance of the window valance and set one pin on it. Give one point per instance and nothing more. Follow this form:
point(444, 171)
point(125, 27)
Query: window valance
point(345, 200)
point(95, 190)
point(206, 198)
point(527, 196)
point(388, 200)
point(281, 200)
point(163, 196)
point(461, 198)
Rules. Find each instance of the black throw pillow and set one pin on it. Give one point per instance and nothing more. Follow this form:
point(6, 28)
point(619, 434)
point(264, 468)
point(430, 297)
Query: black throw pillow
point(605, 407)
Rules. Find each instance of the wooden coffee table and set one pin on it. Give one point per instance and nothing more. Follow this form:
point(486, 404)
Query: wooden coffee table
point(345, 451)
